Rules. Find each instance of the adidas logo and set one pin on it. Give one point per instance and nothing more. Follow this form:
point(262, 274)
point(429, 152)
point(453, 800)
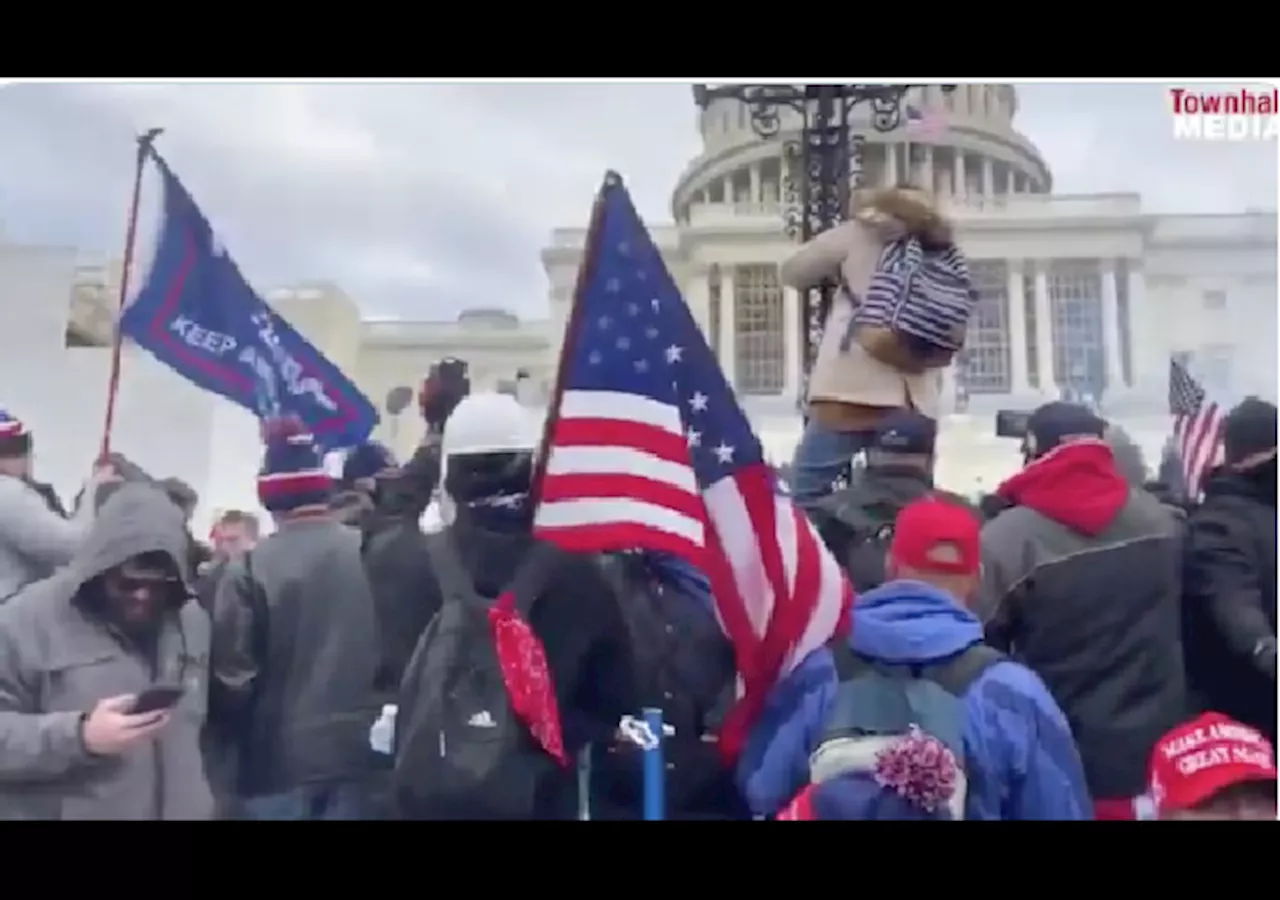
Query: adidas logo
point(482, 719)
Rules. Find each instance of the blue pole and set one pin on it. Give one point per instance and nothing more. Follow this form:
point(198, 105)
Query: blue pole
point(655, 770)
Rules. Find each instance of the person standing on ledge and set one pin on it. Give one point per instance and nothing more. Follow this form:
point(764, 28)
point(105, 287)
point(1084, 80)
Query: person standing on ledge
point(851, 385)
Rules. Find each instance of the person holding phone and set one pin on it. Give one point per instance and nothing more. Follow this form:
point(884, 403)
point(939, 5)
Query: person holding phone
point(117, 734)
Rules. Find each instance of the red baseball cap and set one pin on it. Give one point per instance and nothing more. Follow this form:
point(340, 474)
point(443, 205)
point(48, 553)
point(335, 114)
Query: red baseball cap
point(933, 535)
point(1202, 757)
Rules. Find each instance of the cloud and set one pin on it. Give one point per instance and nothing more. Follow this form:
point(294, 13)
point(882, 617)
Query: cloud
point(421, 200)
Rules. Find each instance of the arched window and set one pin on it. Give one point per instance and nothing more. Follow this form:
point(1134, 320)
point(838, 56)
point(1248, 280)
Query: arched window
point(986, 355)
point(759, 346)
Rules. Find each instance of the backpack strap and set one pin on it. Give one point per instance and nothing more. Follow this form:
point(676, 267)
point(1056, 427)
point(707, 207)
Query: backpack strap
point(956, 674)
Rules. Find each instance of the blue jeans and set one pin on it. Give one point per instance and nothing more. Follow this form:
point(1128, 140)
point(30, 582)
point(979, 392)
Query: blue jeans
point(334, 802)
point(823, 456)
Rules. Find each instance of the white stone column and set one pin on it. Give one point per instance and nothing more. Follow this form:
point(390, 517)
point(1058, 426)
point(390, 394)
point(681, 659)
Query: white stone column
point(728, 325)
point(928, 180)
point(1147, 363)
point(697, 294)
point(1010, 180)
point(988, 177)
point(791, 338)
point(1019, 378)
point(1044, 332)
point(958, 187)
point(754, 173)
point(890, 164)
point(1111, 328)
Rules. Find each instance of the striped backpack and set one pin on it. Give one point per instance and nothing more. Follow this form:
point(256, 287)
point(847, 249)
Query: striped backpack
point(917, 307)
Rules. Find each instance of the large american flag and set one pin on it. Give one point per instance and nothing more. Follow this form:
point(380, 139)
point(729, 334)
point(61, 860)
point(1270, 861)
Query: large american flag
point(925, 124)
point(647, 448)
point(1197, 425)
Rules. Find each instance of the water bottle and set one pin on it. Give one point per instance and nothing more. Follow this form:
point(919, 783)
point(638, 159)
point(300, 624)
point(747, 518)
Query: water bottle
point(383, 733)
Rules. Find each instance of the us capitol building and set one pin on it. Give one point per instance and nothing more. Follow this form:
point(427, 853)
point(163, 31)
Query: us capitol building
point(1079, 293)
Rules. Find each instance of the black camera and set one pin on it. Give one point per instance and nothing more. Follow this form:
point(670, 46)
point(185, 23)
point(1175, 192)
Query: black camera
point(447, 382)
point(1012, 423)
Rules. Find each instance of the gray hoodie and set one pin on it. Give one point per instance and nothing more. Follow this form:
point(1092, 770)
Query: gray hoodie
point(34, 540)
point(57, 660)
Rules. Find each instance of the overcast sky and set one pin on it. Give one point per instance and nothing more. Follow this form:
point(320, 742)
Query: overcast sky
point(421, 200)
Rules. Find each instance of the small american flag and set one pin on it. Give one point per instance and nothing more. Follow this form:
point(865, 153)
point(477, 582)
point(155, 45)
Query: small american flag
point(926, 123)
point(647, 448)
point(1197, 425)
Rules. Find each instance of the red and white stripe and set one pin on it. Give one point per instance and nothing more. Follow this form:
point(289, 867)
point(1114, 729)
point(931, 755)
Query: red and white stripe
point(618, 476)
point(283, 484)
point(11, 428)
point(1199, 440)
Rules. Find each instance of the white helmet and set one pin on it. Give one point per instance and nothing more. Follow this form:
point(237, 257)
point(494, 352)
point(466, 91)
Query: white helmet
point(487, 422)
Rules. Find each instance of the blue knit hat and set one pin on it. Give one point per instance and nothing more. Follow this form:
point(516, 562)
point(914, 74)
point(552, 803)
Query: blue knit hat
point(293, 473)
point(366, 461)
point(15, 440)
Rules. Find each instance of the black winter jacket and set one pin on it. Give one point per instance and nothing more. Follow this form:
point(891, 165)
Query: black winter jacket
point(1230, 598)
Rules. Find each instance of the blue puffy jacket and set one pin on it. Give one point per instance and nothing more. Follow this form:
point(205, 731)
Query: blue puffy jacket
point(1021, 760)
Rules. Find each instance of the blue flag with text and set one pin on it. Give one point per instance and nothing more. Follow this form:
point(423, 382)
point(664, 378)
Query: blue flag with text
point(196, 314)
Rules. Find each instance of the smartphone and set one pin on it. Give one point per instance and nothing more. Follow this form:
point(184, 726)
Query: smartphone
point(1012, 423)
point(157, 697)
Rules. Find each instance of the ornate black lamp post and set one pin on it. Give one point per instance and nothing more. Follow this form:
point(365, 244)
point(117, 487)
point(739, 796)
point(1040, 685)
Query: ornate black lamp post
point(824, 165)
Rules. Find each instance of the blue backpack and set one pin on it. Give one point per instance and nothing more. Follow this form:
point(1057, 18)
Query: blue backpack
point(878, 703)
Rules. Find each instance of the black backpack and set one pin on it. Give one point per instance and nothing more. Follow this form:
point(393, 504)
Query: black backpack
point(460, 751)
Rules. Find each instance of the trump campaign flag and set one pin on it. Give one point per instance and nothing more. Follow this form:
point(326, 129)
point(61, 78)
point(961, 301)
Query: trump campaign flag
point(196, 314)
point(647, 448)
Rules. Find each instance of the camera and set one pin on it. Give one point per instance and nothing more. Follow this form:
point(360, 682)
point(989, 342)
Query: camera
point(1012, 423)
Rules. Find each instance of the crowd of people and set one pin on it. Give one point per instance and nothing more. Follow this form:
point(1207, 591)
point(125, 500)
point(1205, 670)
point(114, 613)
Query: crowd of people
point(1081, 644)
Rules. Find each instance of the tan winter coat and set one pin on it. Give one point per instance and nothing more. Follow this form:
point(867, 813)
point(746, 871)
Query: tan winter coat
point(849, 389)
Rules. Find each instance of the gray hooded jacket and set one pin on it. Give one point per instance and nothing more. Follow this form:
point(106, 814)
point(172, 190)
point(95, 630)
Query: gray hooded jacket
point(57, 660)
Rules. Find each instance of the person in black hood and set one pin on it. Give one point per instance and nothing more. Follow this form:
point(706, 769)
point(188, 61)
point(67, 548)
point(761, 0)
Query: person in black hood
point(488, 458)
point(1081, 582)
point(392, 544)
point(1230, 575)
point(855, 521)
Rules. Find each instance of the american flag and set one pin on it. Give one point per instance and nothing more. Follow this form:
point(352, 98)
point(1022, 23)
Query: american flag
point(647, 448)
point(926, 123)
point(1197, 425)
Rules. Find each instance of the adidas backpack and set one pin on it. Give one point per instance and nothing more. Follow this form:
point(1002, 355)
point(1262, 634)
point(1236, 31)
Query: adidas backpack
point(878, 705)
point(460, 751)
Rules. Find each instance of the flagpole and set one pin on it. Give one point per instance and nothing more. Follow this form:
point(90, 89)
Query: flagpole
point(590, 243)
point(131, 233)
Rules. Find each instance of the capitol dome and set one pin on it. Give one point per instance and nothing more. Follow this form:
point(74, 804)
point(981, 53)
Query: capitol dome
point(976, 155)
point(1084, 296)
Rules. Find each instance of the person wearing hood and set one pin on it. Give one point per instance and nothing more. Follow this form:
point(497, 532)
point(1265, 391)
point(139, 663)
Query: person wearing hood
point(851, 386)
point(488, 450)
point(36, 536)
point(1229, 616)
point(393, 544)
point(1016, 752)
point(76, 652)
point(856, 521)
point(1081, 579)
point(295, 648)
